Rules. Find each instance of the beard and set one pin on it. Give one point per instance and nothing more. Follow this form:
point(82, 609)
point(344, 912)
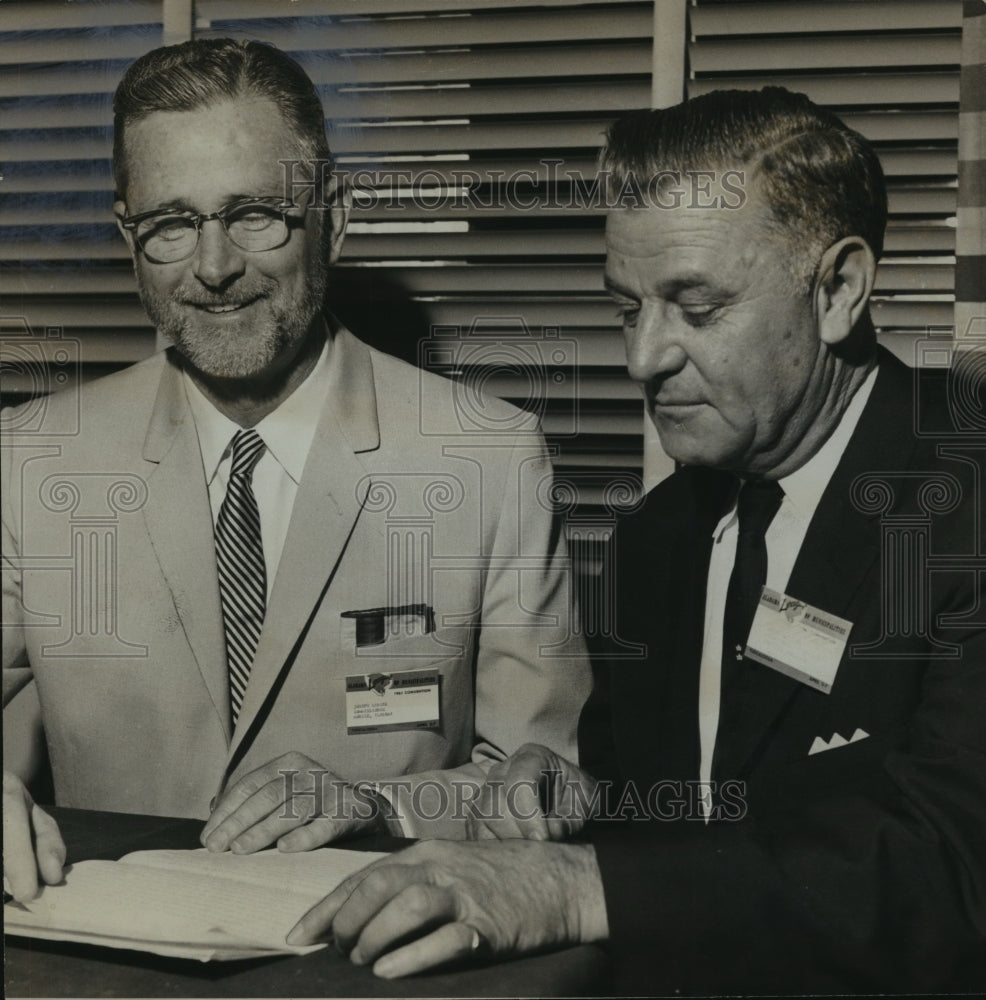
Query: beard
point(273, 328)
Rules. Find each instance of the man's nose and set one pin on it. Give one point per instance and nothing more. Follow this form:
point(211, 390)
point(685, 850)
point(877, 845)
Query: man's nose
point(217, 260)
point(653, 345)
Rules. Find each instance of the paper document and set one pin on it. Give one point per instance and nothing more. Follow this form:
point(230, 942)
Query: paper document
point(187, 904)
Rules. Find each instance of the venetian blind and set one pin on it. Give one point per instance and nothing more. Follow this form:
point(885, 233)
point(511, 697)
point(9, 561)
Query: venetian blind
point(475, 124)
point(890, 71)
point(69, 308)
point(473, 127)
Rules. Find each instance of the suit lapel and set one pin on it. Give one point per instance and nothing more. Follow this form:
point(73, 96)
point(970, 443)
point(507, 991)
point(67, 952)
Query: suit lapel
point(179, 521)
point(708, 495)
point(661, 604)
point(330, 497)
point(837, 554)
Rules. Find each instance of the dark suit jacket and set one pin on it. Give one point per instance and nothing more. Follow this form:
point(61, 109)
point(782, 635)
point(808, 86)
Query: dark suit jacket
point(857, 869)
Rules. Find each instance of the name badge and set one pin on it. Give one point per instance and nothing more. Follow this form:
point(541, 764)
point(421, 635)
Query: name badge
point(406, 699)
point(803, 642)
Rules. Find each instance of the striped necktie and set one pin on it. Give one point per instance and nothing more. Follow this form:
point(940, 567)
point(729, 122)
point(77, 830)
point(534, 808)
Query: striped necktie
point(240, 561)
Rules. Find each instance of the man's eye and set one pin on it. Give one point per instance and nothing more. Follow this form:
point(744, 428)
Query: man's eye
point(172, 227)
point(699, 316)
point(627, 312)
point(253, 219)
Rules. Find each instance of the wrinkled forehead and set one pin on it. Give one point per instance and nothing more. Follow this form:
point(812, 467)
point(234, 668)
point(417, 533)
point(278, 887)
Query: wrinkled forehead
point(676, 218)
point(660, 248)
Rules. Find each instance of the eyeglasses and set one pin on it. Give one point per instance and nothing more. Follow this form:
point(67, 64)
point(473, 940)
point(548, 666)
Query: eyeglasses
point(254, 224)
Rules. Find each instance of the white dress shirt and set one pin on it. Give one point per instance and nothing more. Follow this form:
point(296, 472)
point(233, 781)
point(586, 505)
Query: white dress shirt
point(803, 489)
point(287, 432)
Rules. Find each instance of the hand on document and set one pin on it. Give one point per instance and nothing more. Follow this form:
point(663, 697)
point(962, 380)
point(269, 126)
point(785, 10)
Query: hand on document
point(292, 801)
point(441, 901)
point(31, 842)
point(534, 794)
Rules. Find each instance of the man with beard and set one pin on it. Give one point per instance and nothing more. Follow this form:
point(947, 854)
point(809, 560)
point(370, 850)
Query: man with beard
point(238, 508)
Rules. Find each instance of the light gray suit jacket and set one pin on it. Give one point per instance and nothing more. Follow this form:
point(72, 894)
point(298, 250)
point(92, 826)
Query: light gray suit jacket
point(111, 600)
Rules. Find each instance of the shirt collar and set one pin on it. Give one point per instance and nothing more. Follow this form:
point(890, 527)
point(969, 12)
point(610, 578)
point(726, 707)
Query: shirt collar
point(804, 487)
point(287, 431)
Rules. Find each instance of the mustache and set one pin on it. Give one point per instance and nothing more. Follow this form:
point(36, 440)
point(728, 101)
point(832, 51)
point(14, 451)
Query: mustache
point(239, 293)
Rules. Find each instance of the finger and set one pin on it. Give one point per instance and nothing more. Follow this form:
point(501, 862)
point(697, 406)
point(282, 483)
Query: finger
point(48, 846)
point(414, 910)
point(314, 925)
point(269, 830)
point(483, 808)
point(233, 797)
point(447, 944)
point(316, 922)
point(522, 808)
point(561, 828)
point(266, 801)
point(510, 807)
point(477, 829)
point(382, 883)
point(498, 825)
point(285, 768)
point(20, 869)
point(320, 831)
point(487, 810)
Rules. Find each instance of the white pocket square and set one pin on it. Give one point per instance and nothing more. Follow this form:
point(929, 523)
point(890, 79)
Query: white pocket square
point(837, 740)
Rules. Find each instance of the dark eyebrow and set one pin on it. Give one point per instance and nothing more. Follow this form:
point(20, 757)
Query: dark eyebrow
point(175, 205)
point(686, 282)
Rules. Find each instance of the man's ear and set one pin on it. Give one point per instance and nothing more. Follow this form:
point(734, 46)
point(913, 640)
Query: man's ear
point(120, 211)
point(846, 274)
point(339, 199)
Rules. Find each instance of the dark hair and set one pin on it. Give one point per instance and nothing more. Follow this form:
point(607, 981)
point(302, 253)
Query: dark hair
point(205, 71)
point(822, 180)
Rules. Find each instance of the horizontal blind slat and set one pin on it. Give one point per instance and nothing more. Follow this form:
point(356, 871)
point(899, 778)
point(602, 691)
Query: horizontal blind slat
point(427, 102)
point(42, 80)
point(560, 61)
point(731, 56)
point(214, 10)
point(114, 43)
point(444, 31)
point(807, 18)
point(45, 15)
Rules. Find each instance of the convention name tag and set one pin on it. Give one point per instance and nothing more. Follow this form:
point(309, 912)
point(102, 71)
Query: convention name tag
point(800, 641)
point(406, 699)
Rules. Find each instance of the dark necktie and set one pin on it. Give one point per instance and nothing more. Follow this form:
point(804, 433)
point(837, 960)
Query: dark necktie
point(759, 501)
point(240, 561)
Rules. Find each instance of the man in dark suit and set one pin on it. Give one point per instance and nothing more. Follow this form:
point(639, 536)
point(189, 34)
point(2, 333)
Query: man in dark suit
point(792, 792)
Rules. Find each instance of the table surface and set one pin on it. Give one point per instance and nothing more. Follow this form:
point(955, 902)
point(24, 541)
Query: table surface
point(62, 969)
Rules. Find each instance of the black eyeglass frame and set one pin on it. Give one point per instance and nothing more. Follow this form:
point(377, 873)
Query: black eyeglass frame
point(281, 207)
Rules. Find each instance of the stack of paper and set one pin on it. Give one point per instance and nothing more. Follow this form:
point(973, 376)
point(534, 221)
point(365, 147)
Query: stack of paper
point(188, 904)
